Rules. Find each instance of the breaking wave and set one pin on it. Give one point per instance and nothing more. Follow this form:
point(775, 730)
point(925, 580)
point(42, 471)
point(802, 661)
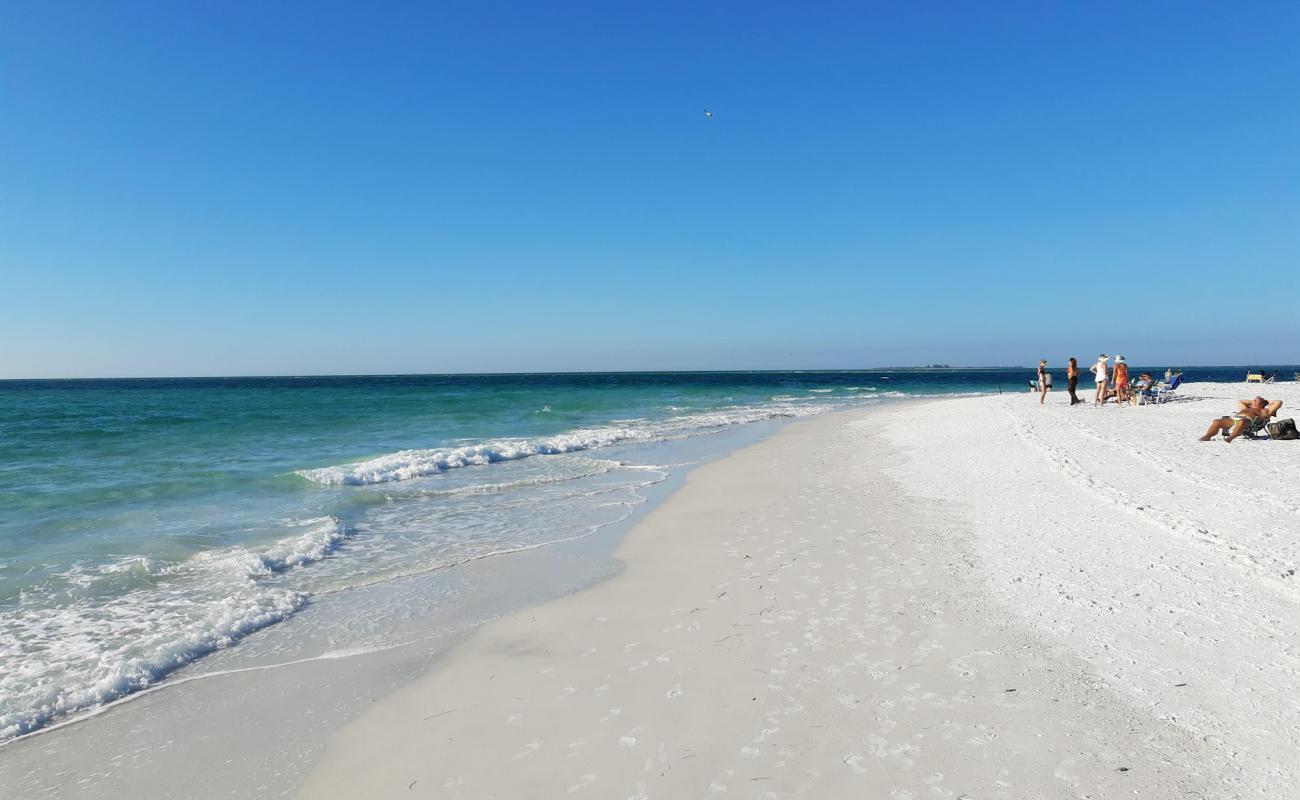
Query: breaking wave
point(407, 464)
point(71, 656)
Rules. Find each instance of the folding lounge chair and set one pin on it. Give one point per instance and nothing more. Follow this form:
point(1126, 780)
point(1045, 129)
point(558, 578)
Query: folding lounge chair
point(1163, 392)
point(1257, 428)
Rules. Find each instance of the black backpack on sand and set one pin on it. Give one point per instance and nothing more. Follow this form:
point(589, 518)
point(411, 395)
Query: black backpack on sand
point(1283, 429)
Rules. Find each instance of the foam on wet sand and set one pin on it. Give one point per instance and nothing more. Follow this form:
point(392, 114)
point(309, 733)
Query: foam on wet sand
point(975, 597)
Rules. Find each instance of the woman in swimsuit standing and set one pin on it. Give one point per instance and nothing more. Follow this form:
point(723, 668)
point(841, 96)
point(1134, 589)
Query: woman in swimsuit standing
point(1072, 380)
point(1102, 372)
point(1044, 381)
point(1121, 380)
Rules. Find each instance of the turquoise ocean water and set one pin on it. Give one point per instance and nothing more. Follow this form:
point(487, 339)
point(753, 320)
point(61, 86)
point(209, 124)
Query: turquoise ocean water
point(147, 523)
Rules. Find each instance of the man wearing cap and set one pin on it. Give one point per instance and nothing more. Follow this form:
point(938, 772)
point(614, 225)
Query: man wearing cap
point(1102, 373)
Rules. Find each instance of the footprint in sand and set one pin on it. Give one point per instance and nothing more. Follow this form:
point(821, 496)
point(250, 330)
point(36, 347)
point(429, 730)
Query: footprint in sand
point(583, 782)
point(767, 732)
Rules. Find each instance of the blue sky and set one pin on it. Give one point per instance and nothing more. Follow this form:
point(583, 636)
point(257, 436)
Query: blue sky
point(249, 188)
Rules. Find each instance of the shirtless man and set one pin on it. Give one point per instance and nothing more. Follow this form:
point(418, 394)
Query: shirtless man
point(1254, 402)
point(1249, 412)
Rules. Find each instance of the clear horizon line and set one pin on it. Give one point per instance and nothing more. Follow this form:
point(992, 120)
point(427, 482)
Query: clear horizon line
point(594, 372)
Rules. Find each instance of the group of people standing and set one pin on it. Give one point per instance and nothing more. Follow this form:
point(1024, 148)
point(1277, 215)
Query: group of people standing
point(1112, 382)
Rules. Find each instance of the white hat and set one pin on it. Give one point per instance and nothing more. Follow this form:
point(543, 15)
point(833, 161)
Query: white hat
point(1119, 359)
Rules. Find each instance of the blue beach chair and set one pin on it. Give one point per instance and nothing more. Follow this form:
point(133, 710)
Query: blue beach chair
point(1163, 392)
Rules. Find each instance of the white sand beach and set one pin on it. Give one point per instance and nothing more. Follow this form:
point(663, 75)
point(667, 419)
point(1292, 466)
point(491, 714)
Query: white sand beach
point(962, 598)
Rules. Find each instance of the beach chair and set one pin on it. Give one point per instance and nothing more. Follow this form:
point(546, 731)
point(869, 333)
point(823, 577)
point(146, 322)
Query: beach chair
point(1163, 392)
point(1260, 376)
point(1257, 429)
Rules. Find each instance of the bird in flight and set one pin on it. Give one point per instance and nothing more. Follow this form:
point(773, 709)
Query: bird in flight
point(708, 113)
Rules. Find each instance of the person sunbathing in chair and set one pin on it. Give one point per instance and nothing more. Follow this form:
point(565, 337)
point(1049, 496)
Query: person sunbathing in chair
point(1251, 416)
point(1255, 402)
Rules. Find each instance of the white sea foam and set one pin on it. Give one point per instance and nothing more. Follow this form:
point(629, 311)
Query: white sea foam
point(321, 537)
point(76, 657)
point(408, 464)
point(592, 468)
point(63, 657)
